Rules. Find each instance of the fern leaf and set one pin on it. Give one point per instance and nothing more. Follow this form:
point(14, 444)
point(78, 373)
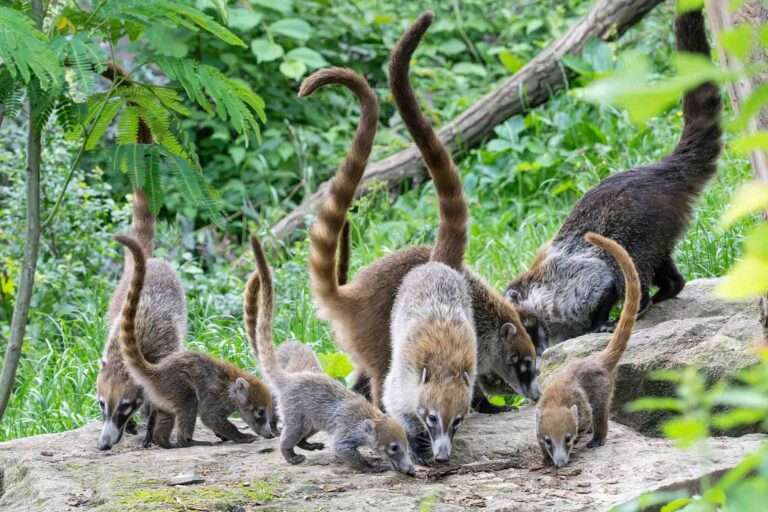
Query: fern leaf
point(25, 52)
point(153, 184)
point(101, 124)
point(85, 60)
point(130, 159)
point(128, 127)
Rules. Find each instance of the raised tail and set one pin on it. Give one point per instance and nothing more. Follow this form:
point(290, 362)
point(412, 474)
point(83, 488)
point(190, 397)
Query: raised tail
point(257, 309)
point(699, 148)
point(324, 235)
point(128, 344)
point(618, 344)
point(452, 236)
point(143, 222)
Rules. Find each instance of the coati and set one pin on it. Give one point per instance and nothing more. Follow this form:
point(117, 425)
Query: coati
point(310, 401)
point(578, 398)
point(358, 311)
point(571, 286)
point(186, 384)
point(161, 325)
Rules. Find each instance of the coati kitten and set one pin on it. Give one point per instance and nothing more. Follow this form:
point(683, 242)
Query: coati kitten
point(161, 325)
point(187, 384)
point(578, 398)
point(572, 286)
point(310, 401)
point(358, 311)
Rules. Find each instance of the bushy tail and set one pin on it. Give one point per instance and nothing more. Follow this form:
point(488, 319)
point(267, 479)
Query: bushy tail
point(128, 343)
point(342, 270)
point(257, 309)
point(452, 237)
point(324, 235)
point(618, 344)
point(699, 147)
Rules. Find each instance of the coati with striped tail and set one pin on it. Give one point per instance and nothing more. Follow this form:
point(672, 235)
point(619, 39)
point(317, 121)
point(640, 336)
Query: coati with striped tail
point(359, 310)
point(309, 401)
point(186, 384)
point(161, 325)
point(578, 397)
point(571, 286)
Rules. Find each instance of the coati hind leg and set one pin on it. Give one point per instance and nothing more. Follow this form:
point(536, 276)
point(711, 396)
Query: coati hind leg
point(151, 419)
point(305, 444)
point(599, 425)
point(161, 433)
point(362, 385)
point(186, 417)
point(668, 279)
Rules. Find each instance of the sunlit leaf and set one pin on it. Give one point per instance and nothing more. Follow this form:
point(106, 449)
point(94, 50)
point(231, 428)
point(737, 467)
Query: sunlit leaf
point(310, 57)
point(336, 365)
point(265, 50)
point(675, 505)
point(293, 69)
point(468, 68)
point(511, 62)
point(452, 47)
point(244, 19)
point(738, 41)
point(747, 398)
point(655, 403)
point(750, 198)
point(751, 142)
point(689, 5)
point(747, 278)
point(737, 418)
point(756, 243)
point(684, 430)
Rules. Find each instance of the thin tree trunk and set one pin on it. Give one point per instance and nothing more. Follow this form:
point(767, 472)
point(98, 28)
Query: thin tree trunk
point(31, 246)
point(533, 85)
point(753, 13)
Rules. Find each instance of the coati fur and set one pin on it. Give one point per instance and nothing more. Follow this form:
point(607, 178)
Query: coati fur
point(358, 311)
point(310, 401)
point(186, 384)
point(572, 286)
point(578, 398)
point(161, 325)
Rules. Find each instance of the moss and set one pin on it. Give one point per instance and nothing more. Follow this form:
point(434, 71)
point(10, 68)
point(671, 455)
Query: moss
point(213, 497)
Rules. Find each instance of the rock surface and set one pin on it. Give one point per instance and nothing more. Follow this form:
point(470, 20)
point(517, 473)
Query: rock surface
point(696, 328)
point(76, 476)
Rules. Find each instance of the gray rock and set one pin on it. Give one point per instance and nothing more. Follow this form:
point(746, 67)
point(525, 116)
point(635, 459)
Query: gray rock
point(131, 478)
point(696, 328)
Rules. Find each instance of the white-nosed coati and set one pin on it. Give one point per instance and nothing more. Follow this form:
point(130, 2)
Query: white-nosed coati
point(186, 384)
point(310, 401)
point(161, 325)
point(359, 310)
point(578, 397)
point(571, 286)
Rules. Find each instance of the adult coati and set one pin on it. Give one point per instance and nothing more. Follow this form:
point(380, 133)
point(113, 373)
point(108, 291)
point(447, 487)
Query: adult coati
point(186, 384)
point(572, 286)
point(578, 398)
point(359, 310)
point(161, 325)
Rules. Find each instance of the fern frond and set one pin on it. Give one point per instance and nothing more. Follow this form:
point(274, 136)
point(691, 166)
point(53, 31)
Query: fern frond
point(128, 126)
point(84, 59)
point(11, 94)
point(105, 118)
point(25, 52)
point(153, 188)
point(68, 116)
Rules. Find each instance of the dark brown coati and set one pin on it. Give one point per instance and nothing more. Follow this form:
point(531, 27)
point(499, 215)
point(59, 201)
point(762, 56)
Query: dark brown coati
point(310, 401)
point(186, 384)
point(572, 286)
point(358, 311)
point(578, 397)
point(161, 325)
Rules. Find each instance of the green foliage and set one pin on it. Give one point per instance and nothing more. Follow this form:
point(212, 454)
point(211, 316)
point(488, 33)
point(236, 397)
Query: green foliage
point(24, 50)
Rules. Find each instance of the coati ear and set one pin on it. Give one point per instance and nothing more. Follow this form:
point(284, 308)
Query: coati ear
point(241, 387)
point(424, 376)
point(508, 330)
point(575, 412)
point(368, 427)
point(537, 417)
point(468, 378)
point(512, 295)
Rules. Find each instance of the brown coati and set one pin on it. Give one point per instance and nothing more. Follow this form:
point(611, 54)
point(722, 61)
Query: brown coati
point(578, 397)
point(161, 325)
point(310, 401)
point(358, 311)
point(186, 384)
point(571, 286)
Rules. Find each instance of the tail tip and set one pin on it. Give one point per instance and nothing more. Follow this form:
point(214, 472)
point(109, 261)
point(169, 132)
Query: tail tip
point(427, 17)
point(591, 237)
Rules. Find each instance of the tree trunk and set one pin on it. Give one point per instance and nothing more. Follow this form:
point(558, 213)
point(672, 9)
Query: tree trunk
point(753, 13)
point(533, 85)
point(31, 245)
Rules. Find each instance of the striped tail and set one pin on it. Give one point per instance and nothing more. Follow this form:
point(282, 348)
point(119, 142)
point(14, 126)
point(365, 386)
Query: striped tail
point(618, 344)
point(324, 236)
point(257, 309)
point(452, 235)
point(128, 344)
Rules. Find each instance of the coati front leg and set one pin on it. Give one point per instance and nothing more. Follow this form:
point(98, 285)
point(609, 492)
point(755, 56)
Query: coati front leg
point(599, 425)
point(347, 451)
point(305, 444)
point(294, 432)
point(668, 279)
point(362, 385)
point(151, 419)
point(161, 433)
point(186, 417)
point(217, 421)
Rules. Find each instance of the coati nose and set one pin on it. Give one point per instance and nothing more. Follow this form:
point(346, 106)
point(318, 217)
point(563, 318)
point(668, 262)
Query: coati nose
point(103, 445)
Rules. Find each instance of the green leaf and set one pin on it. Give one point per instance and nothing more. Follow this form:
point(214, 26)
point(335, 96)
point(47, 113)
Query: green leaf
point(748, 143)
point(311, 58)
point(293, 69)
point(24, 51)
point(382, 19)
point(244, 19)
point(452, 47)
point(675, 505)
point(655, 403)
point(748, 398)
point(100, 126)
point(336, 365)
point(497, 400)
point(685, 431)
point(128, 127)
point(468, 68)
point(756, 243)
point(748, 278)
point(511, 62)
point(281, 6)
point(750, 198)
point(294, 28)
point(738, 42)
point(689, 5)
point(265, 50)
point(737, 418)
point(751, 106)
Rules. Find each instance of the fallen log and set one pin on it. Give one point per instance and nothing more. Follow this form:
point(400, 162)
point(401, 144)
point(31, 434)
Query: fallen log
point(531, 86)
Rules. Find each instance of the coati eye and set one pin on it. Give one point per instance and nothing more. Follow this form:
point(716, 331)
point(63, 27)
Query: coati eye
point(259, 412)
point(126, 407)
point(101, 404)
point(394, 448)
point(568, 438)
point(548, 441)
point(457, 422)
point(431, 419)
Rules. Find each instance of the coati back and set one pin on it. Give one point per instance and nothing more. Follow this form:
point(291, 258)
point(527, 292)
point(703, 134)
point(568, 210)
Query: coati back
point(187, 384)
point(161, 325)
point(578, 398)
point(310, 401)
point(571, 287)
point(358, 311)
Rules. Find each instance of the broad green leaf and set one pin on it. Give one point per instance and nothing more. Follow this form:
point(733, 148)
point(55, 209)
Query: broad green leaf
point(244, 19)
point(751, 106)
point(452, 46)
point(100, 126)
point(311, 58)
point(738, 42)
point(511, 62)
point(265, 50)
point(675, 505)
point(756, 243)
point(382, 19)
point(237, 154)
point(294, 28)
point(281, 6)
point(689, 5)
point(598, 54)
point(655, 403)
point(468, 68)
point(685, 430)
point(497, 400)
point(293, 69)
point(751, 142)
point(747, 398)
point(750, 198)
point(748, 278)
point(336, 365)
point(737, 418)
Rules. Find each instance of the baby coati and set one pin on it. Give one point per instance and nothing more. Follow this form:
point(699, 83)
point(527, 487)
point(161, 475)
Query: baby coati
point(310, 401)
point(161, 325)
point(572, 286)
point(578, 397)
point(187, 384)
point(359, 310)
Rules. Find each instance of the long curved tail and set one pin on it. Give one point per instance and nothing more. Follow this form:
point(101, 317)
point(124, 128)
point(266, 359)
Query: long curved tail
point(452, 236)
point(699, 148)
point(257, 309)
point(324, 235)
point(618, 344)
point(128, 344)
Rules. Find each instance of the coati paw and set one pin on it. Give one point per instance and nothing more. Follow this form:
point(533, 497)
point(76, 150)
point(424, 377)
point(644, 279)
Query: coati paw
point(246, 438)
point(311, 446)
point(296, 458)
point(595, 443)
point(607, 327)
point(130, 427)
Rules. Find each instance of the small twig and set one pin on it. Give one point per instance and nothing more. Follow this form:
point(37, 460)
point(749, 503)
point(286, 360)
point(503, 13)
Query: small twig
point(474, 467)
